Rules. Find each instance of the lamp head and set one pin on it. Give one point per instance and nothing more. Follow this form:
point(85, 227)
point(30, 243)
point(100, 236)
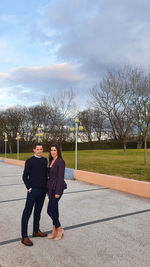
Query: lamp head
point(72, 129)
point(76, 120)
point(80, 128)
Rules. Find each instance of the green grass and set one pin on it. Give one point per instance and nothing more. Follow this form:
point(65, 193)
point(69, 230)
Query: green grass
point(112, 162)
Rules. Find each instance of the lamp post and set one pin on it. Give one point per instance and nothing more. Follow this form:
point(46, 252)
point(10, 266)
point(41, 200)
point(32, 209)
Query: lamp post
point(80, 128)
point(18, 138)
point(6, 140)
point(39, 134)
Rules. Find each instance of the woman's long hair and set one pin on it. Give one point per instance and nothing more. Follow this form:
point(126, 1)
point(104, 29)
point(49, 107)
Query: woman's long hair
point(58, 153)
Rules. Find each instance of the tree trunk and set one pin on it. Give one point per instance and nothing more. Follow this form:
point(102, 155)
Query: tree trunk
point(10, 147)
point(145, 150)
point(139, 145)
point(125, 147)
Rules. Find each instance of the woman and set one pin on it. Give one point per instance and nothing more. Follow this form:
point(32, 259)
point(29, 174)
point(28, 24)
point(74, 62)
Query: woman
point(55, 188)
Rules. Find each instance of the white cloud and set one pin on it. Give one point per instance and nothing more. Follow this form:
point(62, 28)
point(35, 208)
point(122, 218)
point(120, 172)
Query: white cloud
point(26, 83)
point(5, 76)
point(37, 76)
point(64, 71)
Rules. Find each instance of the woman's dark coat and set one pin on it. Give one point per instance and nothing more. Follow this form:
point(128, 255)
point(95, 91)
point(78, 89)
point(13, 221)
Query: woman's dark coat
point(56, 181)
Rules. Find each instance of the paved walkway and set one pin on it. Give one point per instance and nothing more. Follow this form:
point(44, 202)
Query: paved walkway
point(103, 228)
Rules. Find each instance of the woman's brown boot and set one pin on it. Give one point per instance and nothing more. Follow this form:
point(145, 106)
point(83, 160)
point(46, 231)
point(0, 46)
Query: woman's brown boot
point(54, 232)
point(60, 233)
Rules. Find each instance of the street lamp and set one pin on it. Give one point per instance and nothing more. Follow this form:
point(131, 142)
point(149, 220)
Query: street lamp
point(80, 128)
point(39, 134)
point(5, 140)
point(18, 138)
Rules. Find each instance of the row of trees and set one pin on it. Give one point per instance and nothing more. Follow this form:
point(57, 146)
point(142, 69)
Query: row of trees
point(119, 110)
point(53, 116)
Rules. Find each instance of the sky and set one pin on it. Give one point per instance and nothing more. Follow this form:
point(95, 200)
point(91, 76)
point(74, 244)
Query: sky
point(47, 47)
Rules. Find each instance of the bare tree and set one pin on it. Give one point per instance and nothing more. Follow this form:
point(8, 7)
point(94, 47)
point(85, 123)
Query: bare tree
point(98, 123)
point(86, 117)
point(63, 110)
point(92, 122)
point(141, 108)
point(112, 97)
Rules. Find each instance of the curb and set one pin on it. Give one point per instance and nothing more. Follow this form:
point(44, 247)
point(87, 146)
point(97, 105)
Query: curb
point(135, 187)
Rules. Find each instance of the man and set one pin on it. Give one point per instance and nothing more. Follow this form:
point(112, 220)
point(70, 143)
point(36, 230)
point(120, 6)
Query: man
point(35, 179)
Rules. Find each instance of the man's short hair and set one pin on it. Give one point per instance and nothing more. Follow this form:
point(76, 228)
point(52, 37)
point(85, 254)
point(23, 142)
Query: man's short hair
point(36, 144)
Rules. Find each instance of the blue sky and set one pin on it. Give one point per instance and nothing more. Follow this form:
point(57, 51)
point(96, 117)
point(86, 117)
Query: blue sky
point(47, 47)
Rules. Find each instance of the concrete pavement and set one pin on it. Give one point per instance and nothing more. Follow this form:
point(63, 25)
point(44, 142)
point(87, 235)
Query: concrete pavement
point(103, 227)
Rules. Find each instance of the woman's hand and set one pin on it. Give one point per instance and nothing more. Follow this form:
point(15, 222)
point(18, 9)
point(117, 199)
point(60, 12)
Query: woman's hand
point(57, 196)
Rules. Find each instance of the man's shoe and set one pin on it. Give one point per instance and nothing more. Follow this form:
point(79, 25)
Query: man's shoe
point(26, 241)
point(39, 233)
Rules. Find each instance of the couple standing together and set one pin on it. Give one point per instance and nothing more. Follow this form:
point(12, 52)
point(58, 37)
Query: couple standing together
point(40, 178)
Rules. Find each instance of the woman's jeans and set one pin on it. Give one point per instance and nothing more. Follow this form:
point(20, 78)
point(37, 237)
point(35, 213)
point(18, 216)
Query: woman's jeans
point(52, 209)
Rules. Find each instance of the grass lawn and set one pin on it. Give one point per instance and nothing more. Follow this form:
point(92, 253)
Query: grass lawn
point(112, 162)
